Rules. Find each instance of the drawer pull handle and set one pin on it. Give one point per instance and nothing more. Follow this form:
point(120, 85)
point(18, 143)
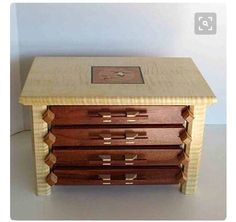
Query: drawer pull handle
point(132, 114)
point(131, 135)
point(105, 114)
point(183, 158)
point(130, 176)
point(50, 160)
point(131, 157)
point(185, 137)
point(128, 114)
point(106, 178)
point(106, 159)
point(188, 115)
point(128, 158)
point(51, 179)
point(128, 136)
point(105, 136)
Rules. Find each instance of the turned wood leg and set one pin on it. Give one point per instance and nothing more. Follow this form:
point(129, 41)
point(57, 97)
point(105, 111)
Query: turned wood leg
point(195, 129)
point(41, 150)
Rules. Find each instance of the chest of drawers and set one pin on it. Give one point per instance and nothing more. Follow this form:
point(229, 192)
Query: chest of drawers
point(116, 120)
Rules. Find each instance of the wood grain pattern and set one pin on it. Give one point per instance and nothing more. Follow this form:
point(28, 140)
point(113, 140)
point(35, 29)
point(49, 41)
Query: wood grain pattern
point(41, 149)
point(117, 176)
point(193, 150)
point(108, 136)
point(164, 155)
point(48, 116)
point(67, 81)
point(107, 115)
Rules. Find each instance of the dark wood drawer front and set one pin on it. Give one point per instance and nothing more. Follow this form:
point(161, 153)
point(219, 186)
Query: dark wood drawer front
point(117, 136)
point(117, 176)
point(89, 115)
point(169, 155)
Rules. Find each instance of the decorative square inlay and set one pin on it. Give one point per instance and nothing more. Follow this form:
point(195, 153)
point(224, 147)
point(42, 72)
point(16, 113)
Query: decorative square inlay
point(117, 75)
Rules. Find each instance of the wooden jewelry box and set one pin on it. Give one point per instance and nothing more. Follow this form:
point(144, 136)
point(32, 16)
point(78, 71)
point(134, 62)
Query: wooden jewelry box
point(116, 120)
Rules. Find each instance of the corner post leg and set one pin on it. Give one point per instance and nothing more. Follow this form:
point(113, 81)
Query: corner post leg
point(40, 129)
point(196, 130)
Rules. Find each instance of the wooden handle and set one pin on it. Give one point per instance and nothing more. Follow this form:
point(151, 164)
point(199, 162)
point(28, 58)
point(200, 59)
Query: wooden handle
point(48, 116)
point(185, 137)
point(50, 160)
point(183, 158)
point(51, 179)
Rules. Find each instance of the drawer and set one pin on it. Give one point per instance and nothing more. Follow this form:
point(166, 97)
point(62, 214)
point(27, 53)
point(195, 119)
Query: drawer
point(121, 156)
point(115, 176)
point(88, 136)
point(89, 115)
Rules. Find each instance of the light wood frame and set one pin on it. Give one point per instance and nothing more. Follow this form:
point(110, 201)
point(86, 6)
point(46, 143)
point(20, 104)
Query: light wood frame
point(41, 150)
point(193, 150)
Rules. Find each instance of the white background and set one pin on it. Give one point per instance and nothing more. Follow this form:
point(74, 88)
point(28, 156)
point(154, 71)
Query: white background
point(5, 100)
point(116, 30)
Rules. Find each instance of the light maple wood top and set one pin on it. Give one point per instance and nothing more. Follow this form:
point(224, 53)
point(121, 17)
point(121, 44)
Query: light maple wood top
point(67, 81)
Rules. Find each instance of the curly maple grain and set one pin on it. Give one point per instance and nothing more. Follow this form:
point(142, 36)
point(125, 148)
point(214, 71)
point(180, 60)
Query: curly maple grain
point(40, 128)
point(193, 150)
point(67, 81)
